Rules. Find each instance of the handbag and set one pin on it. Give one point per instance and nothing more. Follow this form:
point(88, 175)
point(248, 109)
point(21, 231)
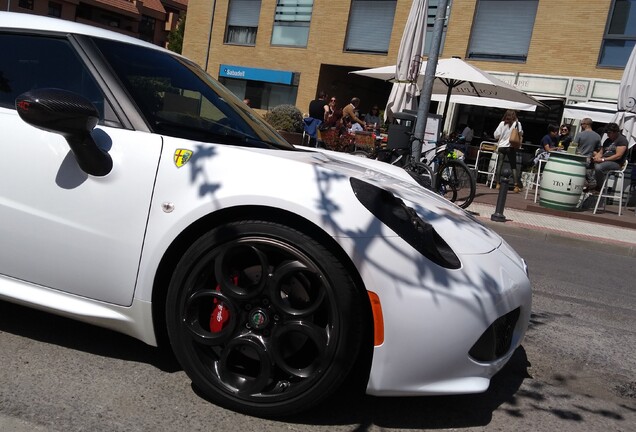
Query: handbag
point(515, 137)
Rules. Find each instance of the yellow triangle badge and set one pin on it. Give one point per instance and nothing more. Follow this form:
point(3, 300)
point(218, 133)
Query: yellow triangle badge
point(181, 157)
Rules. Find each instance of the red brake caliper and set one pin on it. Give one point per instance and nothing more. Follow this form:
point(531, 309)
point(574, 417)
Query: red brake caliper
point(220, 314)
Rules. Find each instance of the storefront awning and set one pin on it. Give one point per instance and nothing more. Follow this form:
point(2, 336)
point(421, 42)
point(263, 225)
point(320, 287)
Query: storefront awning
point(599, 112)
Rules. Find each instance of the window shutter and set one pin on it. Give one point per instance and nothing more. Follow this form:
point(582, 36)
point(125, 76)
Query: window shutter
point(503, 29)
point(244, 13)
point(370, 25)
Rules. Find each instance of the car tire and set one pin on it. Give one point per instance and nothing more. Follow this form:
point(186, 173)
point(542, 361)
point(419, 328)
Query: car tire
point(263, 318)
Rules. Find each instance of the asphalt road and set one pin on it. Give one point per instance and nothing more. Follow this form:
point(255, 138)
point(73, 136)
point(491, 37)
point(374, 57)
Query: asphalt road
point(574, 372)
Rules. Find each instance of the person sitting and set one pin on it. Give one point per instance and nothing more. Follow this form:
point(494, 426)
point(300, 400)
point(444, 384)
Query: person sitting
point(373, 119)
point(611, 157)
point(564, 138)
point(333, 113)
point(353, 127)
point(319, 108)
point(349, 111)
point(548, 144)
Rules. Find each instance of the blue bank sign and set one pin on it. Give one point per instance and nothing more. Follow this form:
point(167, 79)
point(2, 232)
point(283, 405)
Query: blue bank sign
point(256, 74)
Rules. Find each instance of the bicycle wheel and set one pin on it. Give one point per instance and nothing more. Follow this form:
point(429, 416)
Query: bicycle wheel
point(422, 174)
point(456, 182)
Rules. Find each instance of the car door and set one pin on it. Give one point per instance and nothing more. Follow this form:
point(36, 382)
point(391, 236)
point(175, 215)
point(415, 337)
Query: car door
point(60, 227)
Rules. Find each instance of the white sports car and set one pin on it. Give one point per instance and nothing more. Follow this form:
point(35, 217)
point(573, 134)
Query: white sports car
point(138, 194)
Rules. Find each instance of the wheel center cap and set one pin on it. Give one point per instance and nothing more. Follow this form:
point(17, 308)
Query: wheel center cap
point(259, 319)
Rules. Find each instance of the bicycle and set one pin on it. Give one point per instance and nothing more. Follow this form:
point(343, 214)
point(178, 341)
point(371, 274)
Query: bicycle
point(454, 180)
point(437, 170)
point(401, 157)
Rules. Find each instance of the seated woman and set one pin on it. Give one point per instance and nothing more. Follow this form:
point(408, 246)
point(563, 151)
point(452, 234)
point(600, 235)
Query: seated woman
point(564, 137)
point(548, 144)
point(373, 120)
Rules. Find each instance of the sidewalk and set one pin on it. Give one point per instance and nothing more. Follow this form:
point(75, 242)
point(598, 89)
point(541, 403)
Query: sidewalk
point(605, 226)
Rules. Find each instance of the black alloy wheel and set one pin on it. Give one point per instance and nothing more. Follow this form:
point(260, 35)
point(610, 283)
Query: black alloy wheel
point(263, 318)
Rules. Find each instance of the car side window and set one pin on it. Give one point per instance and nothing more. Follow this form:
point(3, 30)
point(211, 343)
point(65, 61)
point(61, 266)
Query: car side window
point(31, 62)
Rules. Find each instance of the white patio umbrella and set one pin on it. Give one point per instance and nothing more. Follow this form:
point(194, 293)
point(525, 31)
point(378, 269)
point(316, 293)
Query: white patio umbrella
point(406, 71)
point(626, 114)
point(457, 81)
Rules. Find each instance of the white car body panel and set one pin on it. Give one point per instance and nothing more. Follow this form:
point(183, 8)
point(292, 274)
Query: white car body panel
point(51, 211)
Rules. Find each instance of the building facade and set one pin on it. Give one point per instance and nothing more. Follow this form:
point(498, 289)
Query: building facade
point(150, 20)
point(286, 51)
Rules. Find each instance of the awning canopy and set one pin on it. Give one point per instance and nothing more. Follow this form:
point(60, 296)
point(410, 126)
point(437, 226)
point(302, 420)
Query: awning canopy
point(599, 112)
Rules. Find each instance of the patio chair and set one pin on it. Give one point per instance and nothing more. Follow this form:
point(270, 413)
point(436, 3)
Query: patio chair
point(535, 180)
point(611, 192)
point(487, 150)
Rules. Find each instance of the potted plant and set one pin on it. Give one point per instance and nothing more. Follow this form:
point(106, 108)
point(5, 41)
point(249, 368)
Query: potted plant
point(288, 121)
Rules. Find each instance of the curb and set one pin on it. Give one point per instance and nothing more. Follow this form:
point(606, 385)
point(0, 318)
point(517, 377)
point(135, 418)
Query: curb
point(620, 241)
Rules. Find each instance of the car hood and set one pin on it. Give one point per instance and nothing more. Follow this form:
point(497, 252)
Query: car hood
point(461, 230)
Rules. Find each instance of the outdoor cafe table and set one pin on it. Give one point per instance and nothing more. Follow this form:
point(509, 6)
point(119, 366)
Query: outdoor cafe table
point(562, 181)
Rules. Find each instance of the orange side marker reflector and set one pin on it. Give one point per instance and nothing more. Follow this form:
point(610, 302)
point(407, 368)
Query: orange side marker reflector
point(378, 320)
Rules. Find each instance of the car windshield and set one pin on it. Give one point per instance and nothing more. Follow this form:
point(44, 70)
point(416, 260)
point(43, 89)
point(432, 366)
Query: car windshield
point(179, 99)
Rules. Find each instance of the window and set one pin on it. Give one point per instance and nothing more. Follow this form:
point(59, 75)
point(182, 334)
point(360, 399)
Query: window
point(430, 22)
point(242, 22)
point(370, 26)
point(147, 28)
point(26, 4)
point(620, 34)
point(502, 29)
point(55, 9)
point(32, 62)
point(291, 22)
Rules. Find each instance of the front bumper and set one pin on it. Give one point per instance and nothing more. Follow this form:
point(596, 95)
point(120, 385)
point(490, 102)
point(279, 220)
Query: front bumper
point(434, 319)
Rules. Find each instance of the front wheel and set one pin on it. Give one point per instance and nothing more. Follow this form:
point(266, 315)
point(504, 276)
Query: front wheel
point(422, 174)
point(264, 319)
point(456, 182)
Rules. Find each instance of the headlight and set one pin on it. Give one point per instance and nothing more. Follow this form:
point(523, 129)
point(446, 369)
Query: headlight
point(405, 222)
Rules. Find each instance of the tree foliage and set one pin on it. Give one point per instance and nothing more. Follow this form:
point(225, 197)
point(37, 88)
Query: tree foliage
point(175, 37)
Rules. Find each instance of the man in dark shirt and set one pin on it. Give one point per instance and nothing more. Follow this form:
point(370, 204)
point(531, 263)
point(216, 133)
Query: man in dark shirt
point(611, 157)
point(319, 108)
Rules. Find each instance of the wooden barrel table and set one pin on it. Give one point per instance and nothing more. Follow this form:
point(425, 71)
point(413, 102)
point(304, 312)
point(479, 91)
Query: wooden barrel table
point(562, 181)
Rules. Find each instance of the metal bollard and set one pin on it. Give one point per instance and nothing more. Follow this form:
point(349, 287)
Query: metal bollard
point(498, 215)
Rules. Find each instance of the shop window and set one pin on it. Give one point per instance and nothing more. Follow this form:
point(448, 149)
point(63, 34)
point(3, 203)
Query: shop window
point(370, 25)
point(242, 22)
point(55, 9)
point(502, 30)
point(26, 4)
point(291, 22)
point(262, 95)
point(620, 34)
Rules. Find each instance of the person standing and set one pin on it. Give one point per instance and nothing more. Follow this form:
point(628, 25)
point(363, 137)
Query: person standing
point(349, 112)
point(504, 149)
point(587, 143)
point(467, 133)
point(611, 157)
point(319, 108)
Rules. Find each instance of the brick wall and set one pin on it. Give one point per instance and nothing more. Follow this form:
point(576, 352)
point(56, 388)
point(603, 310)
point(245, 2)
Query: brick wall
point(566, 41)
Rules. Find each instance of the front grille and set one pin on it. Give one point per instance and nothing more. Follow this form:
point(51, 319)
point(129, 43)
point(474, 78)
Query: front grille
point(496, 340)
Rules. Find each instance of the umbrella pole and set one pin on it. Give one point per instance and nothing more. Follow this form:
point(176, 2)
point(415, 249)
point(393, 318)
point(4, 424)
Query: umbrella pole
point(448, 96)
point(429, 77)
